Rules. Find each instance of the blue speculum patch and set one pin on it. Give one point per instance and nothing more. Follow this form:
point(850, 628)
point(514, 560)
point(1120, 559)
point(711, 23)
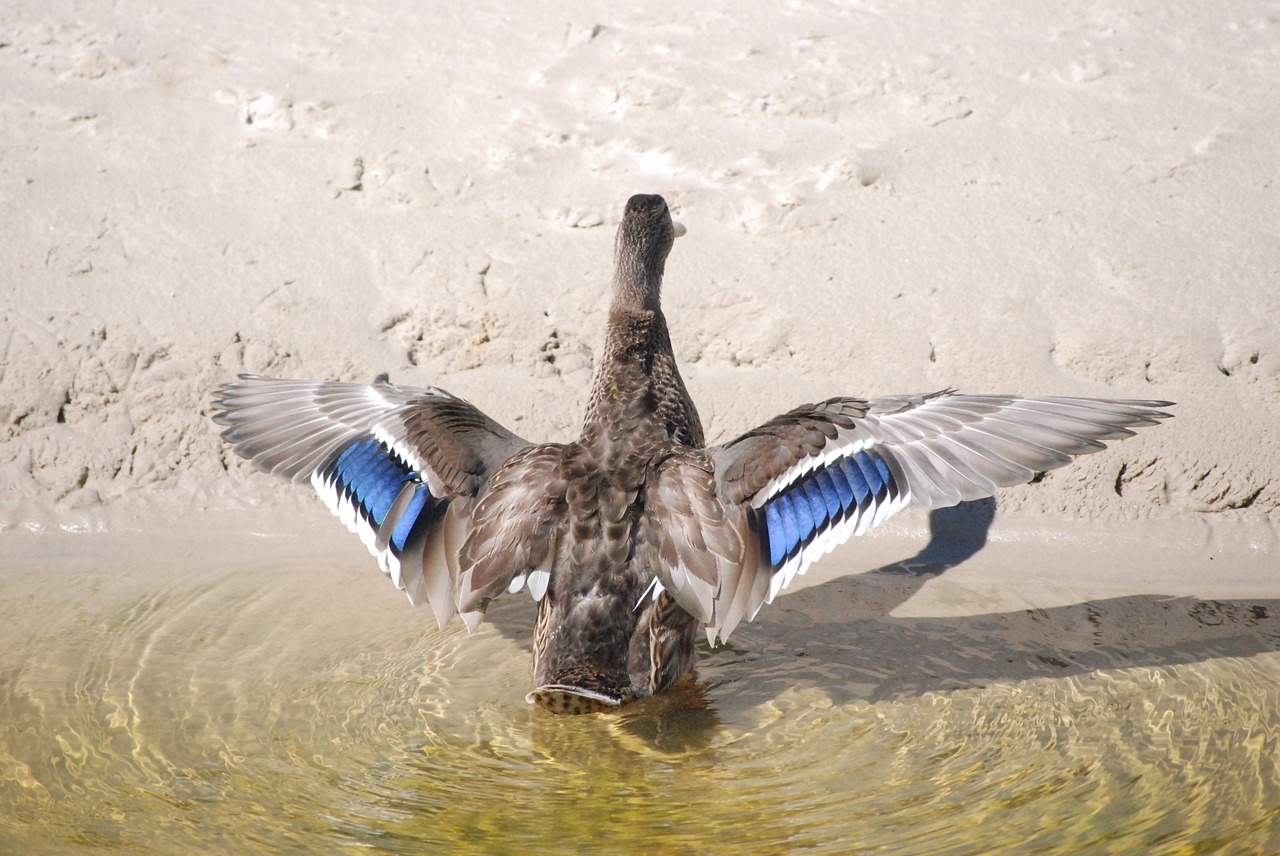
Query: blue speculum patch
point(367, 474)
point(821, 499)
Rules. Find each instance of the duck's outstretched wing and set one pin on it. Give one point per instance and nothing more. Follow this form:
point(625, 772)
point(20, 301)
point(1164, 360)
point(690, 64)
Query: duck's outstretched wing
point(693, 543)
point(403, 467)
point(515, 529)
point(802, 483)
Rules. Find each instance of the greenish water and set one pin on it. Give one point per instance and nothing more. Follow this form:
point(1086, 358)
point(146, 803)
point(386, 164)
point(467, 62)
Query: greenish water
point(240, 699)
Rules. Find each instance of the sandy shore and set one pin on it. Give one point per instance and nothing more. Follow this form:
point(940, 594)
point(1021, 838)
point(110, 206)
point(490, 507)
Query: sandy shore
point(880, 198)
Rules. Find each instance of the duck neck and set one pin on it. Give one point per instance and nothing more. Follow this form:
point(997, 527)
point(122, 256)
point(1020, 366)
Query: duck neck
point(637, 284)
point(634, 337)
point(621, 394)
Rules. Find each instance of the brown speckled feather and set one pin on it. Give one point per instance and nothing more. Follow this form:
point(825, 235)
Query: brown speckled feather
point(691, 542)
point(457, 442)
point(747, 463)
point(515, 528)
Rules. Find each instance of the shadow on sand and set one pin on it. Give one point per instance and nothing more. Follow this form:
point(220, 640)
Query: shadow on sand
point(843, 637)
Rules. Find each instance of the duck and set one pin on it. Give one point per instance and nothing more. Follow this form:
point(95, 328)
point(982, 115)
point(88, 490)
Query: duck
point(636, 535)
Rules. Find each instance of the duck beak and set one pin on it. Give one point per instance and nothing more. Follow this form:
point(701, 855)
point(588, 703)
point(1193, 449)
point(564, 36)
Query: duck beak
point(678, 229)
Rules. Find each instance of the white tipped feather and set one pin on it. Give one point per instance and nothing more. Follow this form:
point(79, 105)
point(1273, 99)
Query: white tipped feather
point(650, 593)
point(838, 448)
point(538, 581)
point(472, 621)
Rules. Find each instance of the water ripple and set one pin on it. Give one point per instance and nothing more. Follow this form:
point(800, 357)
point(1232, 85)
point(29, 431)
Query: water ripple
point(247, 714)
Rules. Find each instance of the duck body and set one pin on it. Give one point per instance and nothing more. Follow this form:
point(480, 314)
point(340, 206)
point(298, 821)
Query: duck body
point(634, 535)
point(600, 641)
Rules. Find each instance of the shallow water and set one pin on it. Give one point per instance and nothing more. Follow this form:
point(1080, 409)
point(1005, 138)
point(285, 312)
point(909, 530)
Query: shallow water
point(259, 695)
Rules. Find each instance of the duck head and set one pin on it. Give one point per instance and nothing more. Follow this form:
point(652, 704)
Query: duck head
point(640, 252)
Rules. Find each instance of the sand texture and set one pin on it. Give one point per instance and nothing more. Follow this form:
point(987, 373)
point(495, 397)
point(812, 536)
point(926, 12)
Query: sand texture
point(880, 197)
